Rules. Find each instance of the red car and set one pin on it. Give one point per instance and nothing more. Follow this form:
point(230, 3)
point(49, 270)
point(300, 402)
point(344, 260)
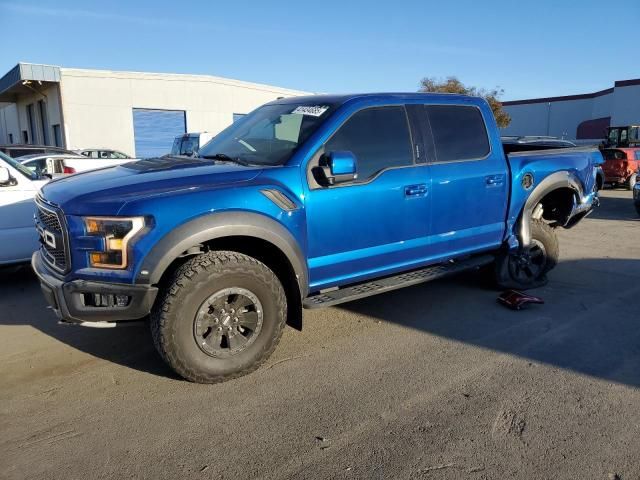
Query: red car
point(621, 165)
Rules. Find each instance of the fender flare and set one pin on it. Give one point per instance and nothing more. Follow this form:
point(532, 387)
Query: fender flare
point(562, 179)
point(220, 225)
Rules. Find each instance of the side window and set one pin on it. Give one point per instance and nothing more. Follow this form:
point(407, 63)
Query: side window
point(459, 132)
point(378, 137)
point(637, 154)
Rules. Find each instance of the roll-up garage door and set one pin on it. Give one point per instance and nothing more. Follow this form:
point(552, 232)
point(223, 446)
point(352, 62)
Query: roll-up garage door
point(154, 130)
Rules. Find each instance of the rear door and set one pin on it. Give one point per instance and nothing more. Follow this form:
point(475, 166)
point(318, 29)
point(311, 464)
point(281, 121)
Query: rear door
point(469, 181)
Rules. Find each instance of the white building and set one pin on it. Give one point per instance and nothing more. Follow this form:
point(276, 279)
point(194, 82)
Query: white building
point(136, 113)
point(581, 117)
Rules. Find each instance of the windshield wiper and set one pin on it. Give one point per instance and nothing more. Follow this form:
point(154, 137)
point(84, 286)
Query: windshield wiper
point(226, 158)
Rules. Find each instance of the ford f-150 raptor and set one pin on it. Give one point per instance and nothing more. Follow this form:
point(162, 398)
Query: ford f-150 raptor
point(305, 202)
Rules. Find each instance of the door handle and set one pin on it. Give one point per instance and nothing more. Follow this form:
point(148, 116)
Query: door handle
point(494, 180)
point(419, 190)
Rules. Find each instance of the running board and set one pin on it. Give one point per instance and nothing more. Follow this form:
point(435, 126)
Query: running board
point(386, 284)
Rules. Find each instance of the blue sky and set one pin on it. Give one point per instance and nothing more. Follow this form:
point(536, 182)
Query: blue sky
point(529, 48)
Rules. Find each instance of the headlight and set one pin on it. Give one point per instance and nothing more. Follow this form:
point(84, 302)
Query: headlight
point(116, 233)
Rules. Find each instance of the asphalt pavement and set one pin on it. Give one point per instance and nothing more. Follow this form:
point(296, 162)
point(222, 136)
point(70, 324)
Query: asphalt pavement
point(434, 381)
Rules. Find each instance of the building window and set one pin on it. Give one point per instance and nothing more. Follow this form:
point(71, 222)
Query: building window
point(57, 137)
point(11, 138)
point(31, 120)
point(237, 116)
point(44, 121)
point(25, 137)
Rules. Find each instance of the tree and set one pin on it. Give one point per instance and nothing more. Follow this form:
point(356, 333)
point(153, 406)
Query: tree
point(453, 85)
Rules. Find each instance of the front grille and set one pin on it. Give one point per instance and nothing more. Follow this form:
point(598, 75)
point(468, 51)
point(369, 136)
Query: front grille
point(53, 235)
point(49, 220)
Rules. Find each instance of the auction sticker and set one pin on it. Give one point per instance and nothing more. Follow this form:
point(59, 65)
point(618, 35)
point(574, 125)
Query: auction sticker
point(312, 110)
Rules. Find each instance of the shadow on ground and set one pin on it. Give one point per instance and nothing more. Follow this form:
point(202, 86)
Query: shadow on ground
point(22, 303)
point(590, 322)
point(618, 207)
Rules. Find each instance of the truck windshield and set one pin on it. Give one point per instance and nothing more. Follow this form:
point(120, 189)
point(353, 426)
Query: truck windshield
point(30, 174)
point(267, 136)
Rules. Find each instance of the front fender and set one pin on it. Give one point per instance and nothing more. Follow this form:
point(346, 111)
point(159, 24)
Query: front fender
point(219, 225)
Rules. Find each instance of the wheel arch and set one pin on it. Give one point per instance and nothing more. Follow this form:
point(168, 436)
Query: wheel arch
point(561, 189)
point(220, 229)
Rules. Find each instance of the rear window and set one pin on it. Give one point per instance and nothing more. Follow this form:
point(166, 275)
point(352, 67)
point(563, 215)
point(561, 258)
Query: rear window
point(614, 155)
point(459, 132)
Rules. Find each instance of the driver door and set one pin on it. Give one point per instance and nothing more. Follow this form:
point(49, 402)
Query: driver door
point(378, 222)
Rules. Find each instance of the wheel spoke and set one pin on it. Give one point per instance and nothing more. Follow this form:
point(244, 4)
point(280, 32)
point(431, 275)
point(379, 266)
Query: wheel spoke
point(249, 320)
point(236, 340)
point(240, 302)
point(214, 339)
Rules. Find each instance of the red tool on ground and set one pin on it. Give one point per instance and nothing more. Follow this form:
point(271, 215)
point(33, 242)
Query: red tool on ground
point(515, 300)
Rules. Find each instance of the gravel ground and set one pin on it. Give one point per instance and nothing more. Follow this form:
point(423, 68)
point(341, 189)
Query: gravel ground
point(434, 381)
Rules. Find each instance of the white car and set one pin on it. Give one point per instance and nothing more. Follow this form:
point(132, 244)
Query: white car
point(56, 165)
point(102, 153)
point(18, 188)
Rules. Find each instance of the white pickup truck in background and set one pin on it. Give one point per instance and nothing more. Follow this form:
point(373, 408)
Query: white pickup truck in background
point(61, 164)
point(18, 188)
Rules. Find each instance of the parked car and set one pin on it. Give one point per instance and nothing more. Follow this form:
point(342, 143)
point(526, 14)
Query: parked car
point(18, 150)
point(103, 153)
point(48, 164)
point(18, 187)
point(621, 165)
point(309, 201)
point(190, 143)
point(56, 165)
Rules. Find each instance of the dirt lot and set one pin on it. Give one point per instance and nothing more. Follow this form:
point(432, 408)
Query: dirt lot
point(435, 381)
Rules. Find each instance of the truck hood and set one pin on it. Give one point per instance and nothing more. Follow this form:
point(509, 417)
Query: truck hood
point(106, 191)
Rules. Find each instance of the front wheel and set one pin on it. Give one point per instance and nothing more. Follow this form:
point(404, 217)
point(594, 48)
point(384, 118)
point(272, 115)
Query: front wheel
point(528, 269)
point(219, 317)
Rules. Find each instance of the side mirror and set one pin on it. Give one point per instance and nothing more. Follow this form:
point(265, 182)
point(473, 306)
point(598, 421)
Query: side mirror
point(339, 167)
point(5, 177)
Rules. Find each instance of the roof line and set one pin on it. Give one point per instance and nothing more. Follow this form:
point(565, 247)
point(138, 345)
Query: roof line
point(582, 96)
point(563, 98)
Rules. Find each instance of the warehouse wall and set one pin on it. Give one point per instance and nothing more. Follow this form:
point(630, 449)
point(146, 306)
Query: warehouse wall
point(13, 118)
point(98, 105)
point(561, 117)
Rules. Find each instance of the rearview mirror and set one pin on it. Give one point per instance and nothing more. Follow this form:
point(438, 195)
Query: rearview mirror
point(5, 177)
point(339, 167)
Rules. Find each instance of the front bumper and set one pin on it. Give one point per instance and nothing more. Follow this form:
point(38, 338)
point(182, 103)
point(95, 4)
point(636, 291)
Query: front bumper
point(67, 299)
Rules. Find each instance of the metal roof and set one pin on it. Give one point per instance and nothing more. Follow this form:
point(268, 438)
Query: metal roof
point(12, 82)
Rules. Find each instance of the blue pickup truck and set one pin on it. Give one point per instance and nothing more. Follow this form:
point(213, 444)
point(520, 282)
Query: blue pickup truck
point(305, 202)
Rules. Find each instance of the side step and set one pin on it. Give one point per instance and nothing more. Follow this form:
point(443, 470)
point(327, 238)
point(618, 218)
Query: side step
point(386, 284)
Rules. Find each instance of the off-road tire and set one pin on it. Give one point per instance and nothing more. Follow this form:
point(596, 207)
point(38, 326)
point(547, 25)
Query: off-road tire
point(179, 299)
point(545, 235)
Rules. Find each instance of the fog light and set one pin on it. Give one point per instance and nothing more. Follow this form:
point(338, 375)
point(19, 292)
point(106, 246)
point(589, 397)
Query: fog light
point(122, 300)
point(100, 300)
